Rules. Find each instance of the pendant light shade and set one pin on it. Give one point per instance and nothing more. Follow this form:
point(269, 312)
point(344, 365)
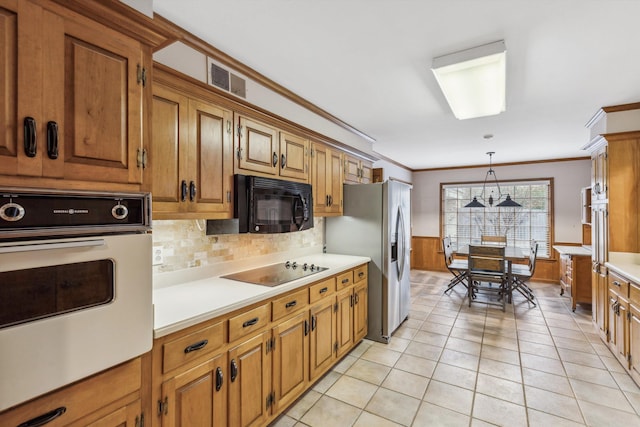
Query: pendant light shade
point(507, 203)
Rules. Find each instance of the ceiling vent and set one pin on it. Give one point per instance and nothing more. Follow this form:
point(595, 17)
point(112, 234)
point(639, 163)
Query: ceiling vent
point(223, 79)
point(219, 77)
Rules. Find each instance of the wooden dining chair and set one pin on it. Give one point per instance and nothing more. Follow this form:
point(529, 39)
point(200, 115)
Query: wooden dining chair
point(522, 273)
point(500, 240)
point(457, 267)
point(489, 274)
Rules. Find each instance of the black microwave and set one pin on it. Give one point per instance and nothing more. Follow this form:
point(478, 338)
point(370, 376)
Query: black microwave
point(267, 205)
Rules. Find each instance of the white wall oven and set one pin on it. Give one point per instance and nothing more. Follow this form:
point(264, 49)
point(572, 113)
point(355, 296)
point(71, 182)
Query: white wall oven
point(75, 287)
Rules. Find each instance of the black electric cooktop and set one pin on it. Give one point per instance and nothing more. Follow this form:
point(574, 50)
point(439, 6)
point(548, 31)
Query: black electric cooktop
point(275, 274)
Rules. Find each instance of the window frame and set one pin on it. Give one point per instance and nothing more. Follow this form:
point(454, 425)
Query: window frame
point(551, 214)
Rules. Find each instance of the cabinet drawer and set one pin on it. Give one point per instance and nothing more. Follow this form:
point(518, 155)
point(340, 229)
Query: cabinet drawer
point(184, 349)
point(344, 280)
point(288, 304)
point(618, 284)
point(81, 398)
point(360, 274)
point(249, 321)
point(322, 289)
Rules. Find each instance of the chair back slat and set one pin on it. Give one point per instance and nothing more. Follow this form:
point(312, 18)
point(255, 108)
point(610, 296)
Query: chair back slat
point(487, 259)
point(493, 239)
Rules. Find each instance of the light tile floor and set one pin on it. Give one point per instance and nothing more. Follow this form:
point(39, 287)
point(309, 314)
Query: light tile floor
point(454, 365)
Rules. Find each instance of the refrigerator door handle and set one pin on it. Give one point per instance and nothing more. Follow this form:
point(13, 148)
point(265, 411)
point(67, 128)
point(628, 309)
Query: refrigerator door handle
point(401, 243)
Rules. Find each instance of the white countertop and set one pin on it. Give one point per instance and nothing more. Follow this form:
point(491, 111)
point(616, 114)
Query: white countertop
point(626, 264)
point(185, 304)
point(572, 250)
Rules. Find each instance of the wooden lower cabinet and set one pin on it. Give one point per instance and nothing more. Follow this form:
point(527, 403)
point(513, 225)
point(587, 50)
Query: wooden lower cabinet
point(246, 367)
point(360, 311)
point(634, 342)
point(323, 337)
point(249, 381)
point(290, 360)
point(575, 278)
point(108, 399)
point(600, 298)
point(344, 323)
point(197, 396)
point(619, 327)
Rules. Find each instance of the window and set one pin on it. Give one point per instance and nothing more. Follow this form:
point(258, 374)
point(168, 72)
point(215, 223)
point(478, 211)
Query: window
point(520, 225)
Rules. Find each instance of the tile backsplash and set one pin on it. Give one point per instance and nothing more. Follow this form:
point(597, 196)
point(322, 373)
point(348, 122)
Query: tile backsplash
point(185, 244)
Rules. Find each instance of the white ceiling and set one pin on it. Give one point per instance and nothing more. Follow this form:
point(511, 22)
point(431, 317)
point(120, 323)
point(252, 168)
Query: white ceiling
point(368, 63)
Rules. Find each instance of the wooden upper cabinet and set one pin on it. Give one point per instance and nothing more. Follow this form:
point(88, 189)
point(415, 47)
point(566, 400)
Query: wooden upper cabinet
point(190, 156)
point(262, 149)
point(326, 180)
point(79, 94)
point(294, 156)
point(357, 171)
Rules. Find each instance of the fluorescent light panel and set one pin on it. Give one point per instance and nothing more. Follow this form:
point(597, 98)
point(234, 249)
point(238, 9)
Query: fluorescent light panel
point(473, 81)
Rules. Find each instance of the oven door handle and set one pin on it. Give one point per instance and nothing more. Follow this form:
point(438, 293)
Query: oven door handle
point(51, 246)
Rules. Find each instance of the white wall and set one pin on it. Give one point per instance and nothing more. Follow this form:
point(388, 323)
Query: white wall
point(391, 170)
point(569, 178)
point(193, 63)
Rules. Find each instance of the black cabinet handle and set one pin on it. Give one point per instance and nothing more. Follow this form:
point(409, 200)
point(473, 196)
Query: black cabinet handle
point(313, 323)
point(275, 159)
point(30, 143)
point(361, 274)
point(616, 283)
point(234, 370)
point(306, 327)
point(323, 290)
point(52, 140)
point(183, 190)
point(192, 191)
point(283, 161)
point(326, 203)
point(330, 200)
point(290, 304)
point(45, 418)
point(197, 346)
point(250, 322)
point(345, 281)
point(219, 378)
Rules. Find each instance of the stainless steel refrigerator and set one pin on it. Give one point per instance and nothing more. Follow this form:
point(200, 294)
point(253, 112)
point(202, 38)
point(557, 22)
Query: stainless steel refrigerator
point(377, 223)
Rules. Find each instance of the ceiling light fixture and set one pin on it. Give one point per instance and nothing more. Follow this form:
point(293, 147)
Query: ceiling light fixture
point(508, 202)
point(473, 80)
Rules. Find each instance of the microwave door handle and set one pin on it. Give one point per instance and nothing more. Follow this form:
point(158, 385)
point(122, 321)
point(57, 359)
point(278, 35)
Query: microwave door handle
point(305, 211)
point(51, 246)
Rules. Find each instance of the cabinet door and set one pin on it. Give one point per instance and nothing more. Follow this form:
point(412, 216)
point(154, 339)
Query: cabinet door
point(360, 311)
point(169, 150)
point(622, 332)
point(294, 157)
point(344, 324)
point(198, 396)
point(250, 380)
point(210, 160)
point(351, 170)
point(323, 333)
point(334, 181)
point(290, 359)
point(127, 416)
point(601, 303)
point(10, 132)
point(366, 172)
point(258, 148)
point(599, 168)
point(634, 342)
point(320, 161)
point(101, 128)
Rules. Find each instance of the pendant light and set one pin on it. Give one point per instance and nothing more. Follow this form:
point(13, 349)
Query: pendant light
point(508, 202)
